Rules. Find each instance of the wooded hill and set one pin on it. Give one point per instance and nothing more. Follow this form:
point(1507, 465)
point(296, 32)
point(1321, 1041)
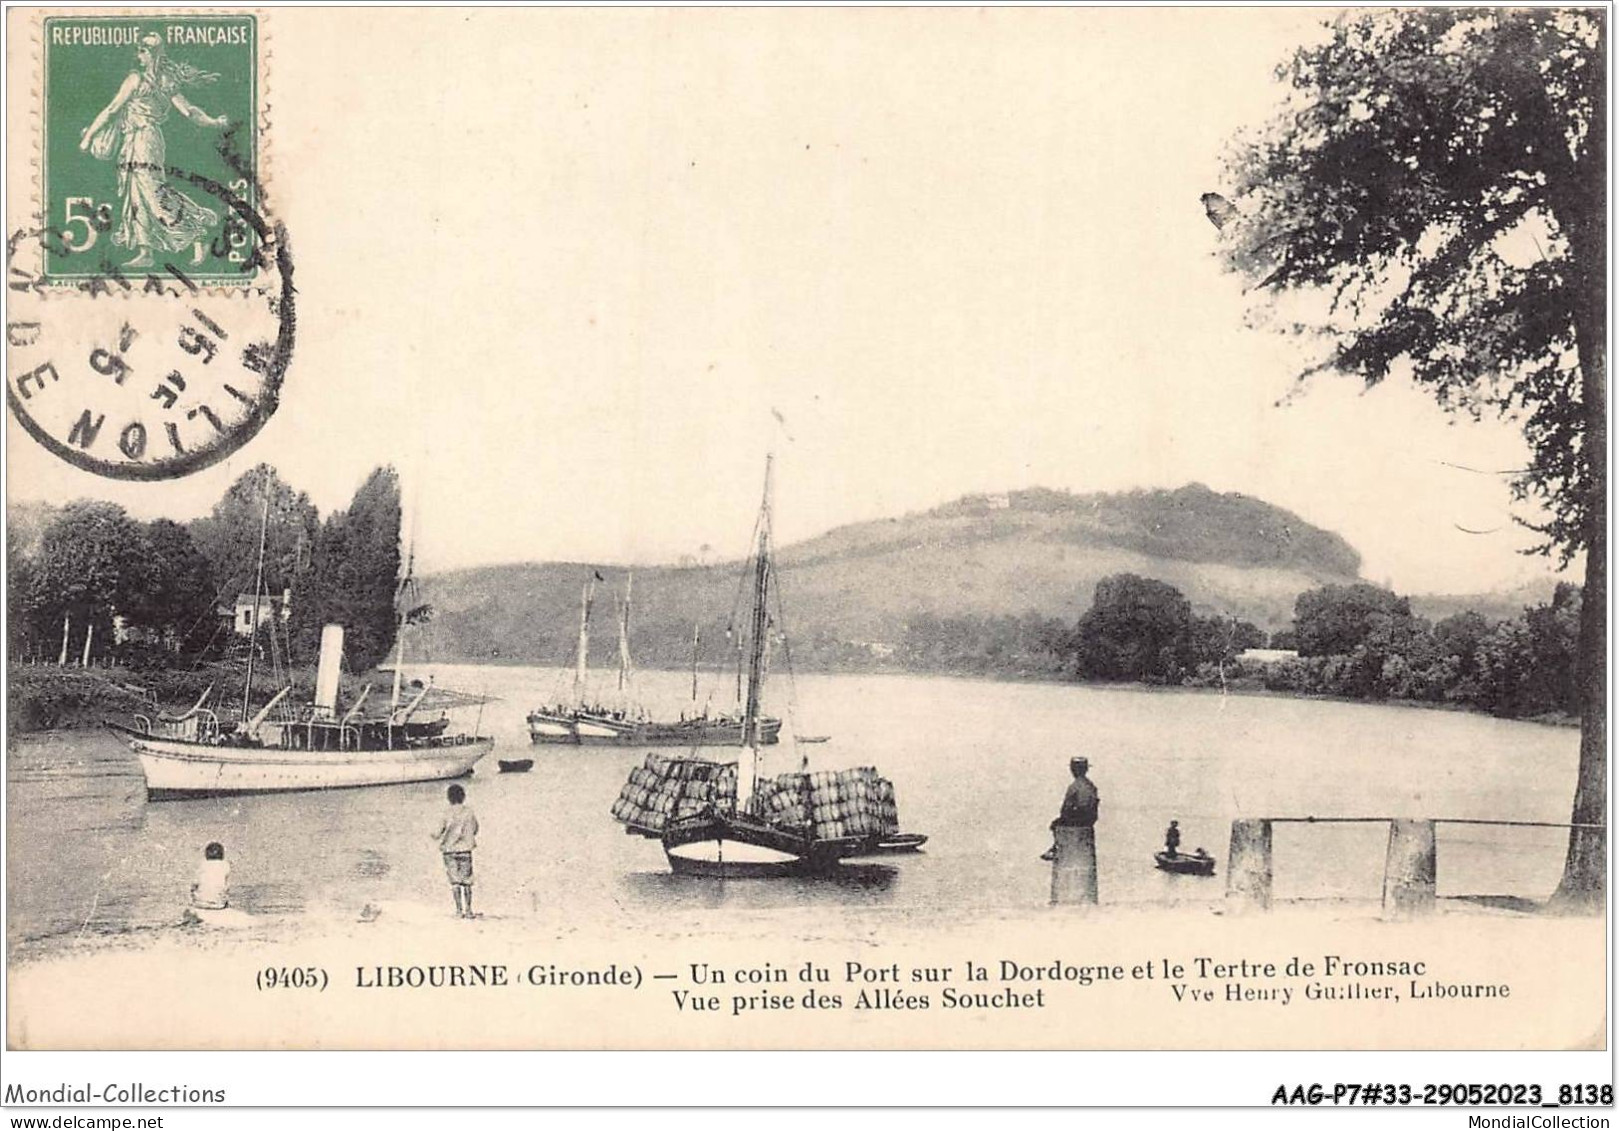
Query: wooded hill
point(849, 594)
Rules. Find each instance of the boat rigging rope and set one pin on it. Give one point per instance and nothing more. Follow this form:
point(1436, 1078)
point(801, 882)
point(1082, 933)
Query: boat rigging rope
point(283, 674)
point(211, 611)
point(792, 682)
point(742, 579)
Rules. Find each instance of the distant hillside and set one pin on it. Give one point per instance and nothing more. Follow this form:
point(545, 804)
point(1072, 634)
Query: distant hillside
point(1502, 604)
point(856, 586)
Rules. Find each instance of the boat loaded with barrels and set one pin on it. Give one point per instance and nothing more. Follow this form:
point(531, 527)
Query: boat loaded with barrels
point(723, 818)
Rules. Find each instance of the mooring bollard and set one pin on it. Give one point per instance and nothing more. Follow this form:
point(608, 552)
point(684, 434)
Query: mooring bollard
point(1248, 866)
point(1411, 872)
point(1073, 870)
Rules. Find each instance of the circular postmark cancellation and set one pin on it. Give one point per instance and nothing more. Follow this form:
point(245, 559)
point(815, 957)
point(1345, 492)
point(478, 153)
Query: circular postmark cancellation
point(150, 310)
point(149, 374)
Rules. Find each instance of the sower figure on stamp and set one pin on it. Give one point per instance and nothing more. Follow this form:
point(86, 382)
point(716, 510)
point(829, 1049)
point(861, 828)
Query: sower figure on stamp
point(153, 215)
point(457, 836)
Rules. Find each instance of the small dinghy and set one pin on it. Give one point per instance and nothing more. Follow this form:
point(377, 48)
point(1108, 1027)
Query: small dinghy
point(902, 842)
point(1184, 865)
point(895, 844)
point(515, 765)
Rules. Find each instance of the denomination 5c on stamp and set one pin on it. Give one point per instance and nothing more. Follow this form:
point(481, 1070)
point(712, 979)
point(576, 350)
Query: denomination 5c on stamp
point(150, 321)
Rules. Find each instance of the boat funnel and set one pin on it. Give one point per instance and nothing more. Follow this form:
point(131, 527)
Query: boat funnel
point(330, 672)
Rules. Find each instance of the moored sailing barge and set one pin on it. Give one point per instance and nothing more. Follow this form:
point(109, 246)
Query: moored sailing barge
point(581, 724)
point(723, 819)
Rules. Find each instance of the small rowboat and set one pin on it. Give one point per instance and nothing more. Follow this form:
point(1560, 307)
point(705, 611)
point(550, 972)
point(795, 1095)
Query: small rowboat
point(902, 842)
point(515, 765)
point(895, 844)
point(814, 738)
point(1184, 865)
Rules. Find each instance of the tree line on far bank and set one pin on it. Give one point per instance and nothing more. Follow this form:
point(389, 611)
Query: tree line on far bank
point(1353, 641)
point(157, 593)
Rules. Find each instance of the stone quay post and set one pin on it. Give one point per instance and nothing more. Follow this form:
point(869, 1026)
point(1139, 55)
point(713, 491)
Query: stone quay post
point(1411, 871)
point(1073, 851)
point(1248, 867)
point(1073, 871)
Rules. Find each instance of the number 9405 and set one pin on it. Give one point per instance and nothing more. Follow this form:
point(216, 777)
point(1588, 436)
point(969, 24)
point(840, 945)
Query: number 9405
point(291, 978)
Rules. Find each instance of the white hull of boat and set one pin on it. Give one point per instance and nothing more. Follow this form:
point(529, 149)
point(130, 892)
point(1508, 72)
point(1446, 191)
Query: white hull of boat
point(715, 851)
point(184, 769)
point(731, 858)
point(572, 732)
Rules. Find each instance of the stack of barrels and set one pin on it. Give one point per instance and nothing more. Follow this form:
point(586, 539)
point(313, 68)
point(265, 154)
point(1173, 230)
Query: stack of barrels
point(831, 806)
point(852, 803)
point(673, 789)
point(826, 805)
point(784, 800)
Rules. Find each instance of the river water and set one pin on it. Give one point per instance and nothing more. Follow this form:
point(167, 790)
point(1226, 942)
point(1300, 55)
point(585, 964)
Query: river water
point(979, 766)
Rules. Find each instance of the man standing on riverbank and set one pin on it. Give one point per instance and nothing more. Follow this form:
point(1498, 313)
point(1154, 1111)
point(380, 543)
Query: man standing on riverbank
point(1079, 805)
point(1073, 849)
point(457, 836)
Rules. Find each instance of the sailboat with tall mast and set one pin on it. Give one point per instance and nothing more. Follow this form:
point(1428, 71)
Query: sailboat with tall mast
point(722, 818)
point(628, 723)
point(307, 747)
point(575, 723)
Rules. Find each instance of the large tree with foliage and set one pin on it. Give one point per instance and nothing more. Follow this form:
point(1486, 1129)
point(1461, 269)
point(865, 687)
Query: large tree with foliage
point(90, 567)
point(1220, 640)
point(1377, 648)
point(1437, 180)
point(176, 599)
point(1336, 619)
point(355, 575)
point(1554, 632)
point(1136, 628)
point(228, 537)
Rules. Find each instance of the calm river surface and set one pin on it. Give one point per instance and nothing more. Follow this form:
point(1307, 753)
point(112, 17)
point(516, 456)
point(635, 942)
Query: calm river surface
point(979, 766)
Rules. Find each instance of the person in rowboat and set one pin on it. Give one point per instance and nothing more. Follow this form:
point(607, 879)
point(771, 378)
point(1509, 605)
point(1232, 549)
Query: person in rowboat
point(1172, 838)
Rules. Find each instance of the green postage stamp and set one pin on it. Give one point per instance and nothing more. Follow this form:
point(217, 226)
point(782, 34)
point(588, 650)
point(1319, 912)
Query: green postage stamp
point(150, 314)
point(149, 155)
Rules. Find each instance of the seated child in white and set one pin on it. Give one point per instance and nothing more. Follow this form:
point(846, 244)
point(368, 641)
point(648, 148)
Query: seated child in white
point(213, 879)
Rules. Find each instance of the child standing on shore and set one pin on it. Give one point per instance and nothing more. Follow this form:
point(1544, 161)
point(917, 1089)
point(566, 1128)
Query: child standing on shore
point(457, 836)
point(211, 892)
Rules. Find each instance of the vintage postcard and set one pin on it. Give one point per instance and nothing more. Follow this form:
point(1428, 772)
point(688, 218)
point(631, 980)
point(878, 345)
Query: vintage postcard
point(847, 529)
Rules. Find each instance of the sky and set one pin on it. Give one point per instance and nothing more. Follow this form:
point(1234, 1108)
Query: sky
point(566, 269)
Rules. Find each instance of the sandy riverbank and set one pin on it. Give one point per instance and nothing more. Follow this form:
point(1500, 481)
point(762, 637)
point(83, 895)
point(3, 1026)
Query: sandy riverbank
point(410, 976)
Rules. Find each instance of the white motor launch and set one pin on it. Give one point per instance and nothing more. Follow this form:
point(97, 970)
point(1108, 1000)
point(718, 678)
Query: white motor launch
point(330, 672)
